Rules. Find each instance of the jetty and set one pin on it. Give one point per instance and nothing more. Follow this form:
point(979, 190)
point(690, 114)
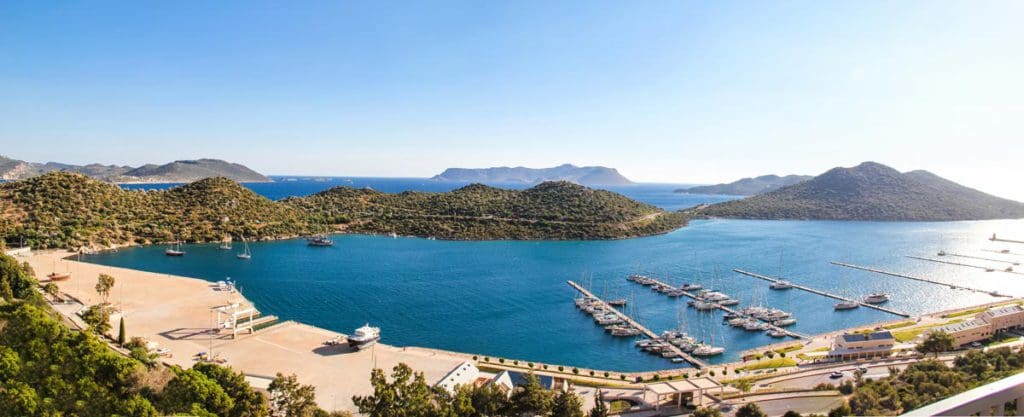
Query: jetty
point(984, 268)
point(788, 332)
point(1004, 252)
point(646, 332)
point(822, 293)
point(982, 258)
point(996, 239)
point(911, 277)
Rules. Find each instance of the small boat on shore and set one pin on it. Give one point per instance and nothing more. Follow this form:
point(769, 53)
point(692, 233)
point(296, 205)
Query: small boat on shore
point(59, 276)
point(364, 337)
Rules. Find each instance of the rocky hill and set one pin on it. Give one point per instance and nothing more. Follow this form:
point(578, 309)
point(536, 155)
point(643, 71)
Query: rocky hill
point(748, 186)
point(551, 210)
point(173, 172)
point(589, 176)
point(872, 191)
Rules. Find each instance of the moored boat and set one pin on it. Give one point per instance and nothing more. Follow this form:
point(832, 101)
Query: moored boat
point(59, 276)
point(846, 305)
point(876, 298)
point(364, 337)
point(174, 250)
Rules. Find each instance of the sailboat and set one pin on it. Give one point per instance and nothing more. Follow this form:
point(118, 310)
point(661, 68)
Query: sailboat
point(226, 243)
point(246, 254)
point(174, 250)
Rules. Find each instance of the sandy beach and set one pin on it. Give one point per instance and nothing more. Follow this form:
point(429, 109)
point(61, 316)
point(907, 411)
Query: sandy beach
point(177, 312)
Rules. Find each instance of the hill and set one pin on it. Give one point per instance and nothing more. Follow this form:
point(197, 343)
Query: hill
point(69, 210)
point(872, 191)
point(748, 186)
point(551, 210)
point(589, 176)
point(173, 172)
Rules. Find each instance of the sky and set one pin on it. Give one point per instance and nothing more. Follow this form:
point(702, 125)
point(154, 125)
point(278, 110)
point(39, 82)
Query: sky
point(672, 91)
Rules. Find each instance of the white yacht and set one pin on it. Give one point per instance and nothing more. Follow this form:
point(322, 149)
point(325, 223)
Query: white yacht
point(780, 285)
point(364, 336)
point(876, 298)
point(846, 305)
point(708, 350)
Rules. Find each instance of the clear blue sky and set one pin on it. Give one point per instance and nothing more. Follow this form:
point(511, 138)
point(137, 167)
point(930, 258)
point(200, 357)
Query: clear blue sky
point(673, 91)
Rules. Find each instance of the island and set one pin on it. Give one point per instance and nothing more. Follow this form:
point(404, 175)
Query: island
point(590, 176)
point(747, 186)
point(871, 191)
point(69, 210)
point(173, 172)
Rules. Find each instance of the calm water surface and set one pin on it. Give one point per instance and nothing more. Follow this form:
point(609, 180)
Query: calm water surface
point(510, 299)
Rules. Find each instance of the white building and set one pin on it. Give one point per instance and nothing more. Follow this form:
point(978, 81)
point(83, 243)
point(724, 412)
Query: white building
point(862, 345)
point(985, 324)
point(464, 374)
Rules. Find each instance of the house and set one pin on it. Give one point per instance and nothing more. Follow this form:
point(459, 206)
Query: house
point(862, 345)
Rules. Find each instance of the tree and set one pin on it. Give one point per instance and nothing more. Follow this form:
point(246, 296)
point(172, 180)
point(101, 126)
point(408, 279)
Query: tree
point(707, 412)
point(120, 333)
point(103, 286)
point(792, 413)
point(491, 401)
point(531, 398)
point(6, 292)
point(750, 410)
point(841, 411)
point(248, 402)
point(936, 343)
point(600, 409)
point(191, 388)
point(98, 318)
point(52, 289)
point(567, 404)
point(288, 398)
point(744, 385)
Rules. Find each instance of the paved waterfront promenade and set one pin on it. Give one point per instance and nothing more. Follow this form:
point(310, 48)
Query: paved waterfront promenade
point(175, 312)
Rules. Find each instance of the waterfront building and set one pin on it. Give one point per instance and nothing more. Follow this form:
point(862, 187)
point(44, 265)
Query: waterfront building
point(984, 325)
point(464, 374)
point(862, 345)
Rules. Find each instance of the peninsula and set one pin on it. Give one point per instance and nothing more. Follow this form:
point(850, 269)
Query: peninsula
point(871, 191)
point(748, 186)
point(172, 172)
point(68, 210)
point(589, 176)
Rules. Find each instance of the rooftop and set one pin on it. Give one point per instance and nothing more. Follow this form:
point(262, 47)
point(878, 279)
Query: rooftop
point(1001, 311)
point(961, 326)
point(861, 337)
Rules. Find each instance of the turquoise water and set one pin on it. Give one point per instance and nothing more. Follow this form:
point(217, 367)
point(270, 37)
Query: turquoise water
point(510, 299)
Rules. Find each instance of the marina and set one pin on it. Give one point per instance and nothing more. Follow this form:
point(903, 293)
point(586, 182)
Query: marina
point(844, 302)
point(636, 325)
point(899, 275)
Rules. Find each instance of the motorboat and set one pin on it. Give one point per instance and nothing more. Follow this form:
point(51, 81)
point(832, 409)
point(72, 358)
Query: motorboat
point(942, 253)
point(364, 336)
point(846, 305)
point(776, 333)
point(691, 287)
point(729, 302)
point(784, 322)
point(780, 285)
point(708, 350)
point(876, 298)
point(320, 240)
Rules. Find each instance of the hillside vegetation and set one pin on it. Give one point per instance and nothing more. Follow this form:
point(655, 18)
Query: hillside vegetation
point(67, 210)
point(172, 172)
point(748, 186)
point(872, 191)
point(551, 210)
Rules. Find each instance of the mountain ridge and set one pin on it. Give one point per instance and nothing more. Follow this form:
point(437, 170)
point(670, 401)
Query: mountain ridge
point(871, 191)
point(586, 175)
point(172, 172)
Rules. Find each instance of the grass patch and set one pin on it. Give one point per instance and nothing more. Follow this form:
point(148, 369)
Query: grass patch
point(899, 325)
point(790, 348)
point(769, 364)
point(970, 312)
point(619, 406)
point(912, 333)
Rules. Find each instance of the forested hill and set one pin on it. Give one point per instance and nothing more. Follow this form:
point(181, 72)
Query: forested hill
point(748, 186)
point(589, 176)
point(872, 191)
point(551, 210)
point(172, 172)
point(67, 210)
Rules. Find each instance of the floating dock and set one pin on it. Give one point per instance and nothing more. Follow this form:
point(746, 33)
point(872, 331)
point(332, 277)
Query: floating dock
point(647, 332)
point(822, 293)
point(982, 258)
point(788, 332)
point(985, 268)
point(899, 275)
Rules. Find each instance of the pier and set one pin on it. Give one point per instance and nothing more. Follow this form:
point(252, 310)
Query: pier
point(822, 293)
point(899, 275)
point(996, 239)
point(788, 332)
point(957, 255)
point(985, 268)
point(646, 332)
point(1004, 252)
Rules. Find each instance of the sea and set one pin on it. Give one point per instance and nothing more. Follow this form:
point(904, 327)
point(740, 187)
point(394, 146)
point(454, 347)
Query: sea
point(510, 299)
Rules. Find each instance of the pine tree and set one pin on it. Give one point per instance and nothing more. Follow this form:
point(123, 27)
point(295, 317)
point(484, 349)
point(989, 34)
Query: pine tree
point(599, 410)
point(120, 333)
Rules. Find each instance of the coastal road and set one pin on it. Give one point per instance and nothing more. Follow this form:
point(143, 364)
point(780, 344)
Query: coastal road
point(779, 404)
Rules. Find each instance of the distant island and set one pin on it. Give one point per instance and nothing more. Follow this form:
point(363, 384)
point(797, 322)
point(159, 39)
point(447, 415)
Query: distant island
point(589, 176)
point(871, 191)
point(62, 209)
point(747, 186)
point(173, 172)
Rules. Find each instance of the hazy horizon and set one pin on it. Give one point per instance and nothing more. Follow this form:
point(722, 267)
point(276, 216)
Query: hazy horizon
point(665, 92)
